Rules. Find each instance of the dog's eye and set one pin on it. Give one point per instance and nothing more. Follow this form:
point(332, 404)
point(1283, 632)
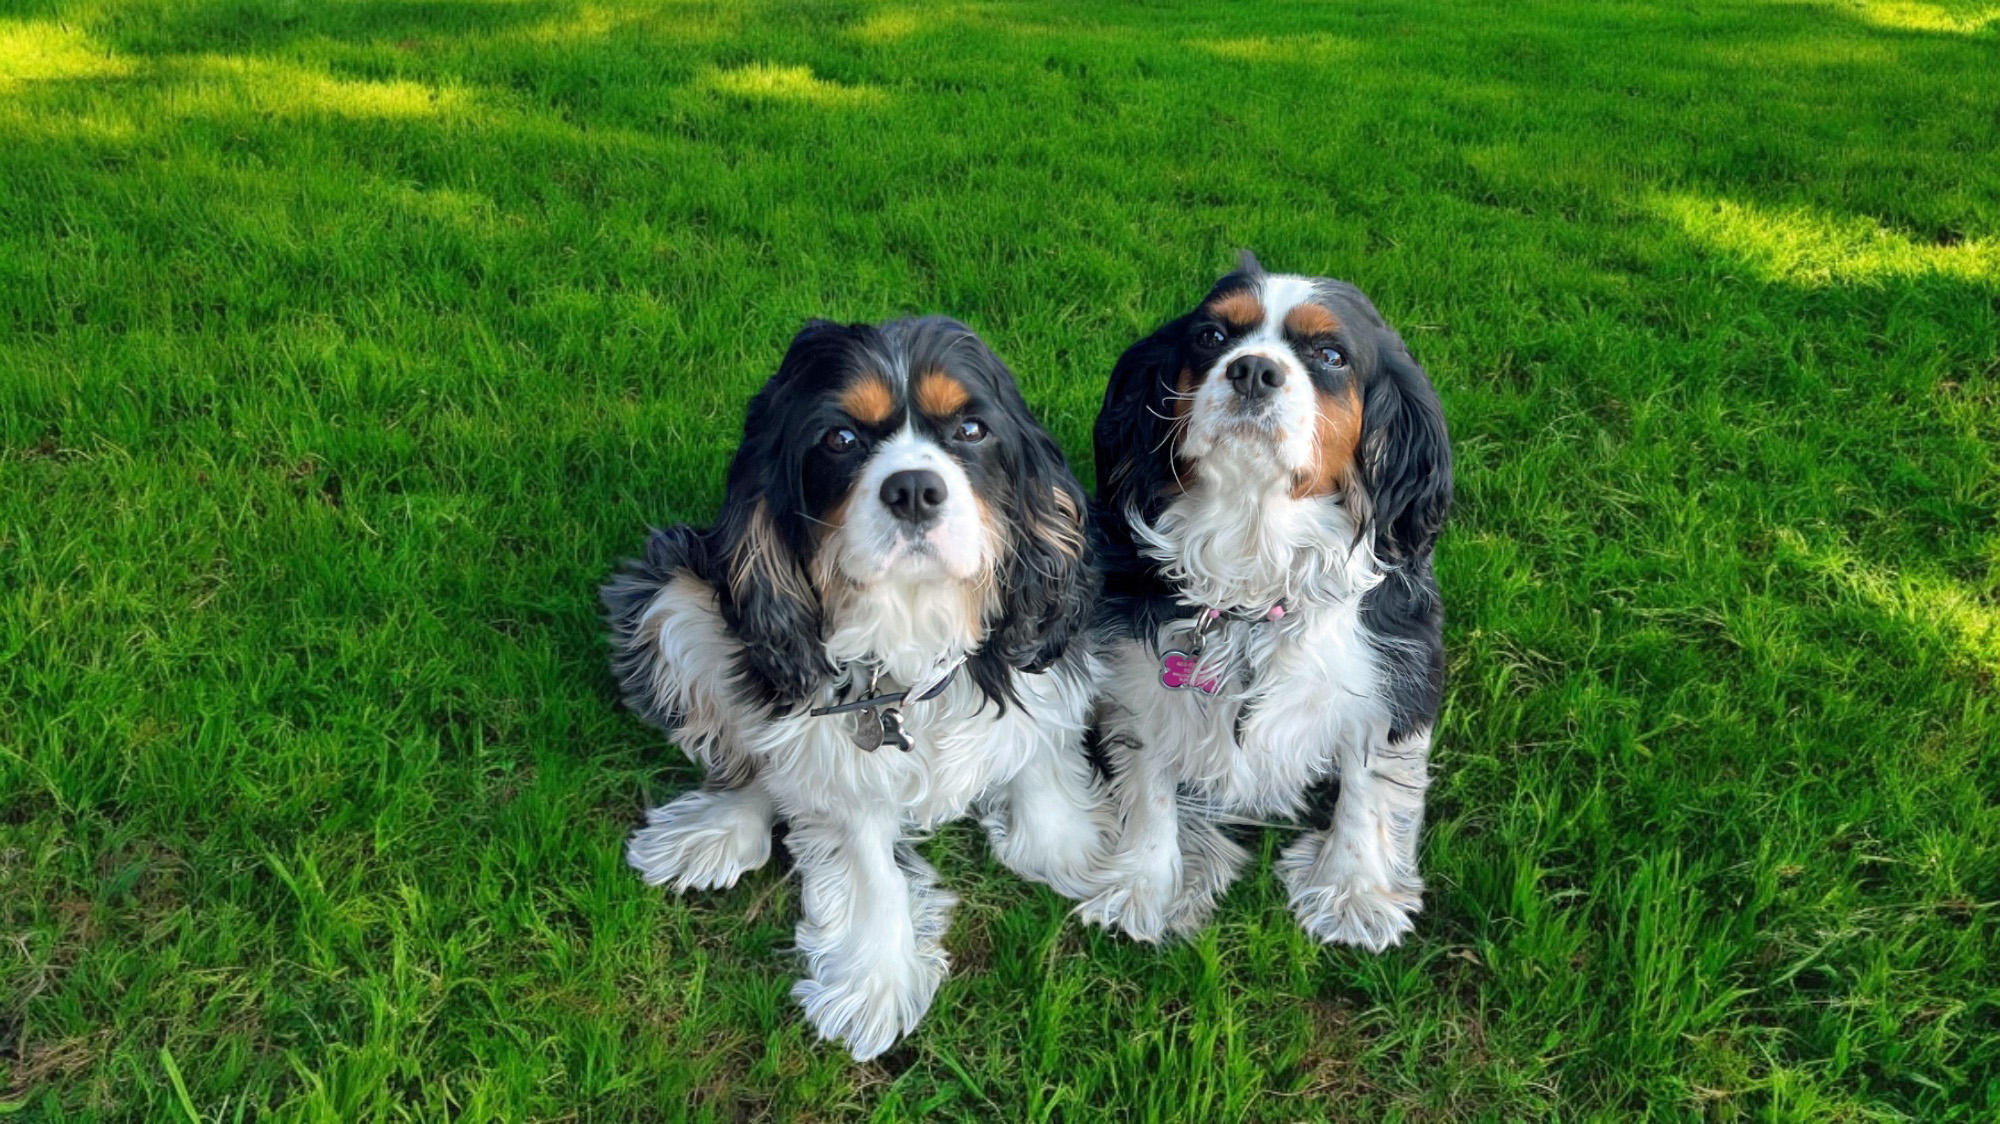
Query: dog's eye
point(839, 439)
point(1331, 356)
point(1209, 338)
point(971, 430)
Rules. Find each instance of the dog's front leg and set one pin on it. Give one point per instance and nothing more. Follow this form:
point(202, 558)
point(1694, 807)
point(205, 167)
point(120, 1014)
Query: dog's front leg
point(873, 933)
point(1052, 822)
point(1356, 882)
point(1142, 877)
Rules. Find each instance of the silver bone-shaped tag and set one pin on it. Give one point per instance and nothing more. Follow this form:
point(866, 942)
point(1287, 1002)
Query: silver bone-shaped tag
point(892, 730)
point(875, 728)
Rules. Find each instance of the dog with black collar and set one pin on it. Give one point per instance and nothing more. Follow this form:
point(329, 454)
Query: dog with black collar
point(885, 628)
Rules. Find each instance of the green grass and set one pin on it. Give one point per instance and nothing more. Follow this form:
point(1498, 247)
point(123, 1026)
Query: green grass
point(345, 346)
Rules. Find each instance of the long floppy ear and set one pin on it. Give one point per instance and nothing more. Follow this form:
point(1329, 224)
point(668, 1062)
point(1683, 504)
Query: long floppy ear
point(1405, 455)
point(1134, 426)
point(1048, 586)
point(758, 545)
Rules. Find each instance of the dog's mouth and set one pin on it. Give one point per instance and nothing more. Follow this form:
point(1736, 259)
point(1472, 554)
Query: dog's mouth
point(908, 557)
point(1262, 422)
point(1258, 429)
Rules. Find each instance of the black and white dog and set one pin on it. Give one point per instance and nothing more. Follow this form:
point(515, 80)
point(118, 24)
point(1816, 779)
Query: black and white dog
point(1272, 473)
point(885, 627)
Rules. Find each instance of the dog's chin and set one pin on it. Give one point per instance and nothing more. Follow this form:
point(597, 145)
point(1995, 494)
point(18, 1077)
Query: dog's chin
point(909, 561)
point(1245, 448)
point(905, 609)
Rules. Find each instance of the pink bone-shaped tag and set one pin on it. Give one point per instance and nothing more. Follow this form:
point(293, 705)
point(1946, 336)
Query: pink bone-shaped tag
point(1177, 670)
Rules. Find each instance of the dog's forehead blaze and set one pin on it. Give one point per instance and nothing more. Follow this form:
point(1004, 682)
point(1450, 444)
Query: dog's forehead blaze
point(1311, 321)
point(868, 399)
point(1337, 433)
point(940, 394)
point(1240, 308)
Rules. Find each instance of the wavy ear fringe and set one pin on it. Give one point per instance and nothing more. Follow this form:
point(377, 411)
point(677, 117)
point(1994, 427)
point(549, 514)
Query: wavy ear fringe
point(1133, 436)
point(770, 605)
point(1049, 583)
point(1405, 457)
point(755, 561)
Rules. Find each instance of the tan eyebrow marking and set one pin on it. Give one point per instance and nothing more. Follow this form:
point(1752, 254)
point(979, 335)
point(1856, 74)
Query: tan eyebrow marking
point(1241, 309)
point(868, 400)
point(940, 395)
point(1311, 321)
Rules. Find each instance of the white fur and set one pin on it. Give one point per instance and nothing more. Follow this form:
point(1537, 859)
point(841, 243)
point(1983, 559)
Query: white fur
point(874, 546)
point(705, 840)
point(1313, 682)
point(1284, 427)
point(874, 917)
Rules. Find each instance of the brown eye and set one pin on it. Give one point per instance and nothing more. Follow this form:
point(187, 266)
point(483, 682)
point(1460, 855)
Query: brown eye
point(1331, 356)
point(971, 430)
point(839, 439)
point(1209, 338)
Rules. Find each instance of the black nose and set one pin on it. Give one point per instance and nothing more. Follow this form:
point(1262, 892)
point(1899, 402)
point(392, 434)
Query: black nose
point(914, 495)
point(1255, 376)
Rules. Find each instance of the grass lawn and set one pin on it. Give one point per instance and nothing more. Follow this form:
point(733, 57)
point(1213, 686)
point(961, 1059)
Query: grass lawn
point(346, 345)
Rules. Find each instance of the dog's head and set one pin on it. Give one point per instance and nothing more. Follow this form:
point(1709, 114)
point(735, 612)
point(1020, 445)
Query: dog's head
point(893, 500)
point(1278, 386)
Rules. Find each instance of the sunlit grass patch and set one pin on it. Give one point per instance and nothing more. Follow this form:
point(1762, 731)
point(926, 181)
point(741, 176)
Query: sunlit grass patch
point(43, 50)
point(1805, 245)
point(226, 83)
point(773, 82)
point(1914, 15)
point(890, 24)
point(1307, 49)
point(1962, 617)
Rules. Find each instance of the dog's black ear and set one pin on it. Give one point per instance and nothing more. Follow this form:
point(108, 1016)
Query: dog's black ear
point(1405, 455)
point(758, 546)
point(768, 603)
point(1134, 428)
point(1048, 585)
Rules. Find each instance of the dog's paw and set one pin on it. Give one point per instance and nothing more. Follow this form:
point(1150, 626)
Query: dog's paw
point(1343, 899)
point(702, 841)
point(1210, 862)
point(870, 1007)
point(1137, 901)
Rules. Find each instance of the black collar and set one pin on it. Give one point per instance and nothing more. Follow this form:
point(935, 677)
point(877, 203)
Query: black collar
point(893, 698)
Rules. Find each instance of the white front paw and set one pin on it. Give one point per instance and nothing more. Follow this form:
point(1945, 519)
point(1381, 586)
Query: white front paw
point(1135, 900)
point(1343, 899)
point(870, 1009)
point(701, 841)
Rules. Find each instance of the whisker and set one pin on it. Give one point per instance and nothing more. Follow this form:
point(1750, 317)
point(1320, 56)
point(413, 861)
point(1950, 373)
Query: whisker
point(1172, 430)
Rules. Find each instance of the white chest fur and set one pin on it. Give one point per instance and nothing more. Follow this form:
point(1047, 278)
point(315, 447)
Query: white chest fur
point(963, 745)
point(1290, 693)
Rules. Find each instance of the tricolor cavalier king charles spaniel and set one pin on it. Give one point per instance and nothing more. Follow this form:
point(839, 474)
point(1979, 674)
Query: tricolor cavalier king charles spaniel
point(885, 628)
point(1272, 473)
